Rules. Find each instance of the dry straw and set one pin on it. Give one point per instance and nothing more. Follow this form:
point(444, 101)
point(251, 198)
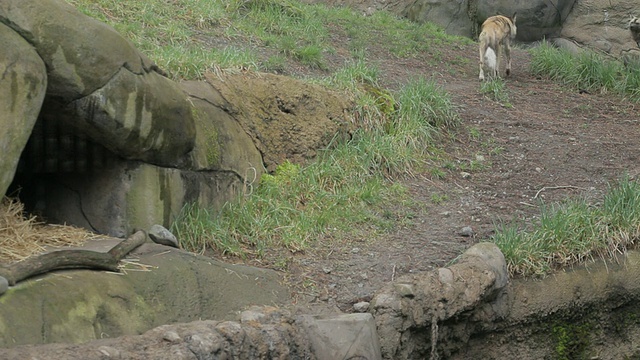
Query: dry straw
point(22, 236)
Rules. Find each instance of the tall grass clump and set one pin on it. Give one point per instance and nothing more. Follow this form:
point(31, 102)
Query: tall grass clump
point(341, 190)
point(573, 232)
point(587, 71)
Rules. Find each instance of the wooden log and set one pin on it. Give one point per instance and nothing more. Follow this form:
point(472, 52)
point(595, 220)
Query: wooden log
point(72, 259)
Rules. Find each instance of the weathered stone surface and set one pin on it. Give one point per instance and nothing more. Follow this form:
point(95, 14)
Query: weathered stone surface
point(566, 44)
point(130, 195)
point(160, 235)
point(202, 142)
point(221, 142)
point(454, 17)
point(143, 117)
point(196, 340)
point(174, 286)
point(4, 285)
point(348, 336)
point(81, 53)
point(601, 25)
point(536, 19)
point(102, 86)
point(23, 82)
point(599, 298)
point(437, 297)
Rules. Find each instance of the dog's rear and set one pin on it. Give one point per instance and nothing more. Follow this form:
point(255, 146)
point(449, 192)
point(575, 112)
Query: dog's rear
point(497, 31)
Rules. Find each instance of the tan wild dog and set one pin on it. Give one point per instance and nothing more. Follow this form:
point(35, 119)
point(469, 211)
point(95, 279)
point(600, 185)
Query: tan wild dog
point(497, 31)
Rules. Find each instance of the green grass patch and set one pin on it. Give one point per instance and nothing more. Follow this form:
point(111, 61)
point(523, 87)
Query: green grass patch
point(573, 232)
point(345, 189)
point(189, 38)
point(586, 71)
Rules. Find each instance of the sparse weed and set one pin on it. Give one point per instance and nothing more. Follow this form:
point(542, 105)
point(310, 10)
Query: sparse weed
point(474, 133)
point(438, 199)
point(496, 90)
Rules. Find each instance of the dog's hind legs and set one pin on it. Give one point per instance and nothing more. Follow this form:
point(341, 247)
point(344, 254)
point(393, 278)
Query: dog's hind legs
point(496, 70)
point(507, 54)
point(483, 49)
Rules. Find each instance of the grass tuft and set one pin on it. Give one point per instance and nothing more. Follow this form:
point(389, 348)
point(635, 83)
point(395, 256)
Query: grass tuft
point(574, 232)
point(586, 71)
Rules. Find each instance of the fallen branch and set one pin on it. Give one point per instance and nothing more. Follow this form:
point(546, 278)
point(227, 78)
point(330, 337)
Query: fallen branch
point(72, 259)
point(555, 188)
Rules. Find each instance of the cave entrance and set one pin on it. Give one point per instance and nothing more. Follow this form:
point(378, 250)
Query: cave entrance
point(55, 164)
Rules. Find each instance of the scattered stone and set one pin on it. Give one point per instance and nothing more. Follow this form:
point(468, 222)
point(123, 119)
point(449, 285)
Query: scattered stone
point(465, 175)
point(445, 275)
point(327, 270)
point(252, 316)
point(480, 157)
point(355, 250)
point(361, 307)
point(4, 285)
point(466, 231)
point(160, 235)
point(109, 352)
point(405, 290)
point(172, 337)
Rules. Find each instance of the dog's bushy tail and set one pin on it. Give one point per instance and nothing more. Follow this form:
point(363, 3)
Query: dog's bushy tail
point(490, 58)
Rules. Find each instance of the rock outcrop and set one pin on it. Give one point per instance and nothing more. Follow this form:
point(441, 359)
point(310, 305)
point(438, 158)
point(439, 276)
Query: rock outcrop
point(595, 24)
point(117, 145)
point(23, 82)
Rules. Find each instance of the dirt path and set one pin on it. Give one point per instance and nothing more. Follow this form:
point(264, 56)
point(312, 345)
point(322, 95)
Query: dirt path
point(550, 143)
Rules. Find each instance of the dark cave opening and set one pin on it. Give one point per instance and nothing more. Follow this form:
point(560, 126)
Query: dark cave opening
point(56, 158)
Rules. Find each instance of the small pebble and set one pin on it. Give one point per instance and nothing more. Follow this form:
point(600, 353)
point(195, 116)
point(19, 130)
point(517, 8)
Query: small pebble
point(160, 235)
point(171, 336)
point(109, 352)
point(4, 285)
point(466, 231)
point(361, 307)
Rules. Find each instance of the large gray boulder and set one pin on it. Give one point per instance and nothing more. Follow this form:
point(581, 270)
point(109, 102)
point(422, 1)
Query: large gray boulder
point(597, 24)
point(413, 305)
point(455, 17)
point(158, 285)
point(118, 146)
point(23, 82)
point(536, 19)
point(102, 86)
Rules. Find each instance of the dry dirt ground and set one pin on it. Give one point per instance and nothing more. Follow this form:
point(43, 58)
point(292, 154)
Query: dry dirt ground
point(546, 143)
